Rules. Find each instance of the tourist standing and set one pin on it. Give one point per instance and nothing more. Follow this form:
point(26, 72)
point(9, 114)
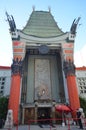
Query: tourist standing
point(79, 114)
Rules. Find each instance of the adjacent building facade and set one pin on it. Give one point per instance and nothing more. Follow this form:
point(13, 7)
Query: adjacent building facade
point(81, 81)
point(5, 80)
point(43, 71)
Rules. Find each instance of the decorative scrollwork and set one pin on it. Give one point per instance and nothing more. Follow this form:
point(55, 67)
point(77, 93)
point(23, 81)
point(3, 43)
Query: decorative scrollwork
point(69, 68)
point(11, 21)
point(17, 67)
point(74, 26)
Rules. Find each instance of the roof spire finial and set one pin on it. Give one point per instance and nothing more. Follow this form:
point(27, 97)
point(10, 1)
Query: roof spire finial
point(74, 25)
point(49, 8)
point(33, 8)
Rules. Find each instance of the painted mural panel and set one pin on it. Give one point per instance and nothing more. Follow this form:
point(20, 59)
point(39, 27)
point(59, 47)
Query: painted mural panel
point(42, 79)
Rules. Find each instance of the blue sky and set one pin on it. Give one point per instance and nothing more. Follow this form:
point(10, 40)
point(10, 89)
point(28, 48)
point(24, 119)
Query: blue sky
point(64, 12)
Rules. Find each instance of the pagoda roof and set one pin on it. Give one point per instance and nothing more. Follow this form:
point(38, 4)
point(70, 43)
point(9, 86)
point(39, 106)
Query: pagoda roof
point(42, 24)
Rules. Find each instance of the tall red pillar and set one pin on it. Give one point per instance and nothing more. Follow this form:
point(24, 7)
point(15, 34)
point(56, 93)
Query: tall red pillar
point(73, 92)
point(69, 70)
point(14, 98)
point(16, 68)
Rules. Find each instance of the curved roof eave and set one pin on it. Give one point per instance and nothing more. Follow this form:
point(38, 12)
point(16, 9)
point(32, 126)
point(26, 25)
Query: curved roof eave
point(42, 24)
point(42, 36)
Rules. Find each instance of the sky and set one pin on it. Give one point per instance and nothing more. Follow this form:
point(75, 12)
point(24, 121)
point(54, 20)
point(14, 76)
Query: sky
point(64, 12)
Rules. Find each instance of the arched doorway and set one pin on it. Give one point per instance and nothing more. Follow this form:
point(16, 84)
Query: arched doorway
point(44, 113)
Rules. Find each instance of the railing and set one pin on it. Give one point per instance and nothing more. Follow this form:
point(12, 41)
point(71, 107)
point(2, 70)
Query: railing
point(50, 124)
point(66, 122)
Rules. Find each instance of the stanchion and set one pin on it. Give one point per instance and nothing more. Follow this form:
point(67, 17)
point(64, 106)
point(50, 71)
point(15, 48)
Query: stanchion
point(68, 124)
point(85, 121)
point(10, 127)
point(17, 125)
point(50, 126)
point(28, 125)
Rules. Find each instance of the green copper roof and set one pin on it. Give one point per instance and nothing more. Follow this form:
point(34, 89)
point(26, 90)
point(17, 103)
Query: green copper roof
point(42, 24)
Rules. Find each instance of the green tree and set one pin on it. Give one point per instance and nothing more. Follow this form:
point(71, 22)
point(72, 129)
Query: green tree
point(3, 107)
point(83, 104)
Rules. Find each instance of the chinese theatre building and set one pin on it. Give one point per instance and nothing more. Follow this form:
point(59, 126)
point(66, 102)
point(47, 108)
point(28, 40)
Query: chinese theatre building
point(43, 71)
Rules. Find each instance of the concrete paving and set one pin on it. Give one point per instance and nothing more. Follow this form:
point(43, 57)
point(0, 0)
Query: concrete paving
point(44, 127)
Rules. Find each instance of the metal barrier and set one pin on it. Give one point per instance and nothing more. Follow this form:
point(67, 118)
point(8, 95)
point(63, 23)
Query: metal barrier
point(47, 124)
point(50, 122)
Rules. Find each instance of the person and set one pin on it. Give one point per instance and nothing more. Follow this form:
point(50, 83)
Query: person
point(79, 119)
point(83, 118)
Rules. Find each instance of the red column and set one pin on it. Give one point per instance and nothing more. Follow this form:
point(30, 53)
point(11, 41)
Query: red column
point(73, 92)
point(15, 96)
point(69, 70)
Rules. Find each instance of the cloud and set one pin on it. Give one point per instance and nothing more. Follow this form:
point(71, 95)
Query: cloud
point(80, 57)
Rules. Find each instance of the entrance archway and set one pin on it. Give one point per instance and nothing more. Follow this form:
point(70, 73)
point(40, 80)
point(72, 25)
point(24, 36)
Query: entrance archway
point(44, 113)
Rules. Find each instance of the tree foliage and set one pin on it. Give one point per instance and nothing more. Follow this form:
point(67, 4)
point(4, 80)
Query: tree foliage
point(83, 104)
point(3, 107)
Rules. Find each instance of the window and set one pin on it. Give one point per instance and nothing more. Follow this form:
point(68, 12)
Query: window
point(84, 91)
point(82, 85)
point(3, 79)
point(81, 91)
point(2, 85)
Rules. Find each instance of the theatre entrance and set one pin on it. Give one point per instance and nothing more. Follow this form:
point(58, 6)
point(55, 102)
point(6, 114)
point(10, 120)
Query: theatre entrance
point(44, 113)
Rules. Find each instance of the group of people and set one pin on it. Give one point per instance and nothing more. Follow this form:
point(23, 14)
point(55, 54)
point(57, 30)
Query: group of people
point(80, 117)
